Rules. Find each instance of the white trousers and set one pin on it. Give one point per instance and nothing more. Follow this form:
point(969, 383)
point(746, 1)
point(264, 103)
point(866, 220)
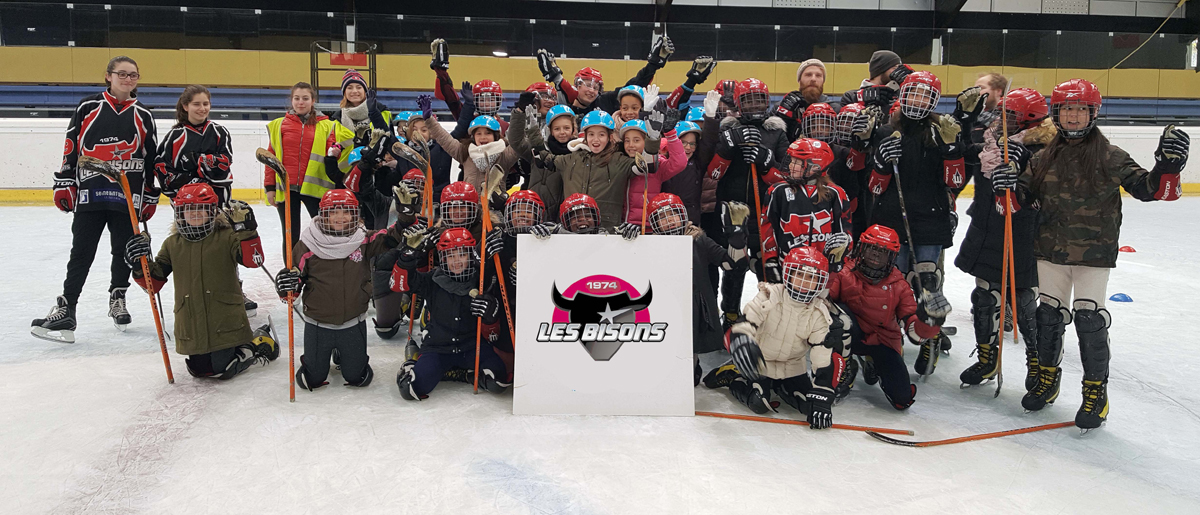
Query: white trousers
point(1058, 281)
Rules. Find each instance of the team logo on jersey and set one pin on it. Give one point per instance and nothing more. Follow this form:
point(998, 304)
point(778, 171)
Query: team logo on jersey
point(117, 154)
point(602, 313)
point(808, 227)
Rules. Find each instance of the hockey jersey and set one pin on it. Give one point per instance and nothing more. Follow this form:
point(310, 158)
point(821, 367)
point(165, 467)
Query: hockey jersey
point(121, 133)
point(797, 217)
point(196, 153)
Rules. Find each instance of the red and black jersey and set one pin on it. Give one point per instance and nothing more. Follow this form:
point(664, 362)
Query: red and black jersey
point(795, 216)
point(121, 133)
point(196, 153)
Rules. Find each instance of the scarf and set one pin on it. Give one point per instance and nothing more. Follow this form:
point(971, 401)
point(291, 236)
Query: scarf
point(352, 116)
point(992, 155)
point(556, 148)
point(331, 247)
point(484, 156)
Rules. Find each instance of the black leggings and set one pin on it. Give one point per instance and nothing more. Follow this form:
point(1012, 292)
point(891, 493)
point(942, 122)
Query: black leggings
point(351, 344)
point(311, 204)
point(86, 229)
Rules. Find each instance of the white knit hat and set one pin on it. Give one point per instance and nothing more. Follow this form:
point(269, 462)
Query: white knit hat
point(811, 62)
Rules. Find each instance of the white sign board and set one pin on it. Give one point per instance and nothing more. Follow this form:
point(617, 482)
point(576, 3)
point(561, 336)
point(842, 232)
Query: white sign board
point(604, 326)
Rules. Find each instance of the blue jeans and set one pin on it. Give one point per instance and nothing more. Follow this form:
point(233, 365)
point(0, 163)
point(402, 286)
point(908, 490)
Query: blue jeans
point(930, 253)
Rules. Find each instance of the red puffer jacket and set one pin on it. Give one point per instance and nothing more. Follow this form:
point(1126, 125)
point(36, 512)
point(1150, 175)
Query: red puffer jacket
point(879, 307)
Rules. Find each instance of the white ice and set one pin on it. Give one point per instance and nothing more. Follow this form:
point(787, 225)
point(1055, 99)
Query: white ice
point(94, 427)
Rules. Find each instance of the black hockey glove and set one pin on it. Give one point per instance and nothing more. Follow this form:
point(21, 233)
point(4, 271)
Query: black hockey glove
point(820, 408)
point(746, 355)
point(544, 230)
point(494, 243)
point(241, 217)
point(760, 156)
point(526, 98)
point(881, 96)
point(741, 136)
point(549, 67)
point(441, 55)
point(900, 73)
point(136, 248)
point(175, 181)
point(771, 271)
point(1018, 155)
point(660, 50)
point(792, 106)
point(287, 281)
point(701, 67)
point(928, 310)
point(888, 153)
point(629, 231)
point(1004, 177)
point(485, 307)
point(1172, 151)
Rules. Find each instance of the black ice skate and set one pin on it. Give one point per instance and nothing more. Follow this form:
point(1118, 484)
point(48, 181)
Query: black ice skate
point(59, 324)
point(928, 358)
point(1094, 410)
point(846, 381)
point(868, 369)
point(251, 307)
point(985, 368)
point(489, 382)
point(116, 308)
point(1031, 368)
point(752, 395)
point(1045, 391)
point(264, 341)
point(721, 376)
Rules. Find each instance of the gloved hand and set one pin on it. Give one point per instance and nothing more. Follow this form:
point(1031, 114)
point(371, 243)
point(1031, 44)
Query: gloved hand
point(544, 230)
point(546, 159)
point(208, 162)
point(654, 123)
point(728, 87)
point(629, 231)
point(712, 100)
point(425, 104)
point(66, 192)
point(549, 67)
point(1172, 151)
point(407, 200)
point(660, 50)
point(174, 181)
point(644, 163)
point(1018, 155)
point(835, 249)
point(441, 55)
point(741, 136)
point(888, 152)
point(287, 281)
point(820, 408)
point(1004, 177)
point(771, 272)
point(136, 248)
point(485, 307)
point(651, 99)
point(734, 218)
point(334, 150)
point(534, 125)
point(879, 96)
point(241, 216)
point(900, 73)
point(149, 206)
point(792, 106)
point(701, 67)
point(762, 157)
point(524, 99)
point(928, 313)
point(968, 105)
point(863, 127)
point(467, 94)
point(947, 134)
point(746, 355)
point(494, 244)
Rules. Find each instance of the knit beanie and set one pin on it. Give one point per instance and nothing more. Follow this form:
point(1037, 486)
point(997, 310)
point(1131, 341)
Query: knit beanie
point(806, 64)
point(881, 60)
point(351, 77)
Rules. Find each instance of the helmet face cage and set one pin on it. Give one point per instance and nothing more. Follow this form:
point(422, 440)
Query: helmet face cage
point(804, 282)
point(459, 262)
point(807, 168)
point(873, 261)
point(459, 213)
point(844, 126)
point(918, 100)
point(522, 213)
point(754, 104)
point(1074, 133)
point(582, 219)
point(416, 185)
point(195, 221)
point(338, 220)
point(670, 219)
point(819, 126)
point(488, 103)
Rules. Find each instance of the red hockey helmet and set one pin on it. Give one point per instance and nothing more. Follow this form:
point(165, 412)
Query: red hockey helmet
point(460, 204)
point(818, 122)
point(580, 214)
point(195, 211)
point(875, 254)
point(488, 96)
point(1026, 108)
point(338, 215)
point(1078, 92)
point(807, 158)
point(415, 180)
point(845, 121)
point(919, 94)
point(457, 256)
point(543, 91)
point(895, 107)
point(591, 76)
point(805, 274)
point(667, 214)
point(753, 99)
point(523, 210)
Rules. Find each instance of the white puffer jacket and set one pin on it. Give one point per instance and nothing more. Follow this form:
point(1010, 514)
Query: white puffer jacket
point(787, 331)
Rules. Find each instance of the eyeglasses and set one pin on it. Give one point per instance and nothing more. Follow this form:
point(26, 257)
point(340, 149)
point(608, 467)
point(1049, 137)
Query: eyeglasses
point(127, 75)
point(687, 145)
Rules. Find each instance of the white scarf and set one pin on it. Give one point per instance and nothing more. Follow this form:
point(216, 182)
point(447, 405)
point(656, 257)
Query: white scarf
point(352, 116)
point(331, 247)
point(484, 156)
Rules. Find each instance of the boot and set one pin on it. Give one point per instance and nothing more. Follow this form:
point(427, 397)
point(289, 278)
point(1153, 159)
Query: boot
point(846, 381)
point(928, 358)
point(1045, 391)
point(404, 380)
point(721, 376)
point(264, 344)
point(60, 320)
point(1094, 410)
point(752, 395)
point(985, 312)
point(488, 381)
point(116, 308)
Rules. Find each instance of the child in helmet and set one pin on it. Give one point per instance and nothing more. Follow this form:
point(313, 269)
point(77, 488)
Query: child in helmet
point(484, 148)
point(203, 251)
point(332, 277)
point(671, 160)
point(531, 134)
point(688, 185)
point(578, 214)
point(596, 167)
point(879, 306)
point(785, 328)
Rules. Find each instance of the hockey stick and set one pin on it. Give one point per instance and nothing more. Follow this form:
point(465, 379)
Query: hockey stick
point(912, 262)
point(400, 150)
point(643, 165)
point(265, 157)
point(1008, 267)
point(158, 309)
point(758, 216)
point(104, 168)
point(752, 418)
point(985, 436)
point(487, 228)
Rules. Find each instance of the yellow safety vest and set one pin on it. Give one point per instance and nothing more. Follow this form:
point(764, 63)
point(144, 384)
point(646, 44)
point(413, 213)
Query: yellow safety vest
point(316, 182)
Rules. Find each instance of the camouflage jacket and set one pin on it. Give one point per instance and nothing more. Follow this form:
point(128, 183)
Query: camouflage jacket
point(1080, 210)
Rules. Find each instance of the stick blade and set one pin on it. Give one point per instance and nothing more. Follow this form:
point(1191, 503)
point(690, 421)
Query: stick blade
point(268, 158)
point(402, 151)
point(95, 165)
point(893, 441)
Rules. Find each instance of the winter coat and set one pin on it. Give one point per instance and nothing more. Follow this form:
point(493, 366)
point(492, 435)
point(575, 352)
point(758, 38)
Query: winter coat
point(120, 133)
point(795, 216)
point(474, 159)
point(604, 177)
point(982, 250)
point(688, 186)
point(440, 161)
point(208, 138)
point(734, 183)
point(210, 313)
point(851, 181)
point(651, 185)
point(548, 184)
point(706, 148)
point(880, 309)
point(788, 332)
point(708, 334)
point(377, 114)
point(1080, 210)
point(337, 291)
point(926, 197)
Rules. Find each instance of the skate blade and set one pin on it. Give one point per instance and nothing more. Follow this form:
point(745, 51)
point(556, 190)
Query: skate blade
point(120, 327)
point(64, 336)
point(251, 312)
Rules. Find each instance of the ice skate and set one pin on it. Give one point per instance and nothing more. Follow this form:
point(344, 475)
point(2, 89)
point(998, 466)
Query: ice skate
point(117, 310)
point(59, 324)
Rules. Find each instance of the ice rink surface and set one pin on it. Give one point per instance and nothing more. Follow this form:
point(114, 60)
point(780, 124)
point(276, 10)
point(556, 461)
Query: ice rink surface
point(94, 427)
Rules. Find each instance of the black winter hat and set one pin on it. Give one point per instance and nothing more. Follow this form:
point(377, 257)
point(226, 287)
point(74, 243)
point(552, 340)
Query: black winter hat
point(881, 60)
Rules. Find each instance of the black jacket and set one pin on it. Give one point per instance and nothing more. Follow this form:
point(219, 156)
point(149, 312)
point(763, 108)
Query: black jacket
point(735, 182)
point(688, 186)
point(926, 197)
point(187, 139)
point(707, 332)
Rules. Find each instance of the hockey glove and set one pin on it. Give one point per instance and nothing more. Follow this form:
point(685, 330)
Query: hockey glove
point(629, 231)
point(655, 122)
point(701, 67)
point(771, 271)
point(660, 50)
point(928, 310)
point(746, 355)
point(1018, 155)
point(1172, 151)
point(425, 104)
point(136, 248)
point(494, 244)
point(900, 73)
point(863, 127)
point(173, 181)
point(644, 163)
point(759, 156)
point(441, 55)
point(879, 96)
point(549, 67)
point(65, 195)
point(1004, 177)
point(485, 307)
point(835, 250)
point(149, 206)
point(728, 87)
point(241, 217)
point(543, 231)
point(406, 200)
point(287, 281)
point(734, 218)
point(968, 105)
point(742, 136)
point(946, 133)
point(791, 105)
point(887, 155)
point(820, 408)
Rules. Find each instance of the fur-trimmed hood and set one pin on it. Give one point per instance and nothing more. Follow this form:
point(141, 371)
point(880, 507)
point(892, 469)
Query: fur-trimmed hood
point(1040, 135)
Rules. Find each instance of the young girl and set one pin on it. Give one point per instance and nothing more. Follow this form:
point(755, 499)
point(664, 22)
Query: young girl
point(333, 279)
point(484, 149)
point(295, 139)
point(529, 138)
point(1077, 181)
point(195, 149)
point(688, 185)
point(203, 251)
point(595, 167)
point(111, 126)
point(634, 135)
point(358, 108)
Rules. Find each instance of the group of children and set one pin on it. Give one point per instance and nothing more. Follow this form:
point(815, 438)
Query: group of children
point(842, 212)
